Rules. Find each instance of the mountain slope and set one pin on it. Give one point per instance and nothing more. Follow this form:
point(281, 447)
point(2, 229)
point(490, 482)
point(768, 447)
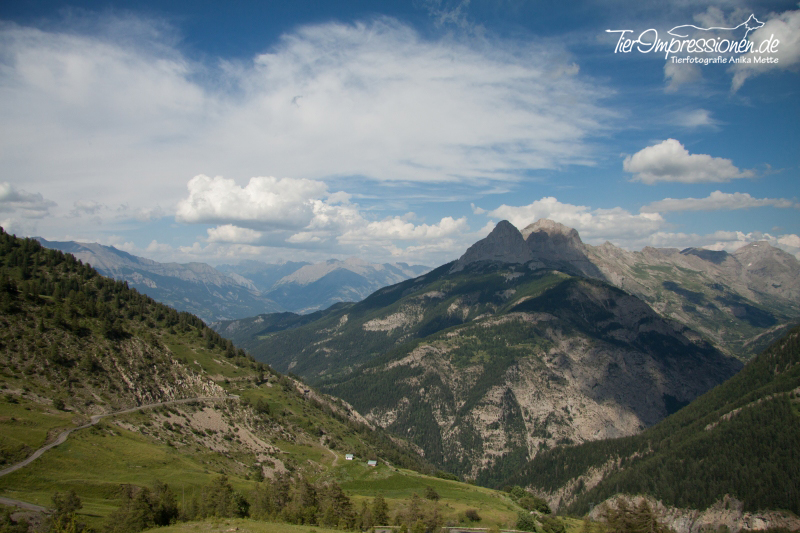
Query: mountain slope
point(75, 344)
point(738, 439)
point(741, 301)
point(483, 363)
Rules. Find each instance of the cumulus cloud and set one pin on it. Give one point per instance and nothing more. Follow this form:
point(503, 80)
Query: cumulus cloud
point(265, 202)
point(303, 214)
point(785, 27)
point(670, 161)
point(717, 200)
point(592, 224)
point(396, 228)
point(23, 203)
point(233, 234)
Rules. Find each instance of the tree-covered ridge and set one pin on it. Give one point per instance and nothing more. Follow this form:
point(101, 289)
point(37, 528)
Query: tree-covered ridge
point(739, 439)
point(82, 340)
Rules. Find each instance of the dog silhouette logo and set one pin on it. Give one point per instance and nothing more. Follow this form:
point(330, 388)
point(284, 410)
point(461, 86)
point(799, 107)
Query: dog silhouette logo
point(750, 24)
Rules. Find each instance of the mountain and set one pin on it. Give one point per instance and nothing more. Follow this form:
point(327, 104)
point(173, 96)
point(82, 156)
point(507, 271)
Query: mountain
point(740, 302)
point(244, 290)
point(738, 440)
point(197, 288)
point(262, 275)
point(137, 392)
point(305, 287)
point(485, 361)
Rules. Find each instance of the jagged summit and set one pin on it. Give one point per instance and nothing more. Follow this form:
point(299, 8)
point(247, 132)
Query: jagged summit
point(549, 240)
point(504, 244)
point(547, 243)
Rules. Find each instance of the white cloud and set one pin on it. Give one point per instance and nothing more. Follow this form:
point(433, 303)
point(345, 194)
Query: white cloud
point(265, 202)
point(670, 161)
point(593, 225)
point(131, 118)
point(302, 214)
point(784, 27)
point(677, 74)
point(717, 200)
point(23, 203)
point(86, 207)
point(695, 118)
point(395, 228)
point(233, 234)
point(157, 248)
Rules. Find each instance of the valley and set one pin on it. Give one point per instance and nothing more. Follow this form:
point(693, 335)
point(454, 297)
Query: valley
point(515, 366)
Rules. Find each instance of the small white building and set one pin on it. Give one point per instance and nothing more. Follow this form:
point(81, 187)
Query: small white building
point(372, 463)
point(349, 457)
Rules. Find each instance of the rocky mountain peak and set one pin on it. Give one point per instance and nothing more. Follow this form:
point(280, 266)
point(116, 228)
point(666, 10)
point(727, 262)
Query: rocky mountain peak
point(504, 244)
point(550, 237)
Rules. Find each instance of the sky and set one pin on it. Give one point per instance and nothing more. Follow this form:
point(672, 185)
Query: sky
point(398, 131)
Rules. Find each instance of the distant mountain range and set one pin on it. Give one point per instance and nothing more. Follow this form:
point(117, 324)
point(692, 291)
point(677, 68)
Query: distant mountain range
point(238, 291)
point(306, 287)
point(533, 339)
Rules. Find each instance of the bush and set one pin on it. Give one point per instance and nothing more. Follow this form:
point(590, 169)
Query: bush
point(431, 494)
point(473, 515)
point(526, 522)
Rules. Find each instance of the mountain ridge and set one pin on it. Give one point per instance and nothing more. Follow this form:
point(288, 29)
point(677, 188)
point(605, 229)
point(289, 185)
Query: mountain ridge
point(239, 291)
point(728, 297)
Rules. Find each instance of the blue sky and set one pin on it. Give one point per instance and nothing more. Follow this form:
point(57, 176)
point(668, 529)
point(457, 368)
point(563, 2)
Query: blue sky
point(395, 131)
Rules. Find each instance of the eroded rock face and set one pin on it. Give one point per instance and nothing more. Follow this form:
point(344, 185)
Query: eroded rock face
point(726, 512)
point(597, 363)
point(560, 247)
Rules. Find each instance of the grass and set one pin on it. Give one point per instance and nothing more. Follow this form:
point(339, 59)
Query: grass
point(398, 485)
point(240, 525)
point(24, 427)
point(96, 462)
point(212, 362)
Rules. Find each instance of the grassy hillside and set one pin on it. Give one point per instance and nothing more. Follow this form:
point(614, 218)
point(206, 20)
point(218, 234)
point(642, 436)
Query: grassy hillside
point(74, 344)
point(739, 439)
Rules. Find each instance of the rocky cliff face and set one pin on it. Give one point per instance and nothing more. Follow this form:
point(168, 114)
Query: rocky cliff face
point(727, 514)
point(505, 244)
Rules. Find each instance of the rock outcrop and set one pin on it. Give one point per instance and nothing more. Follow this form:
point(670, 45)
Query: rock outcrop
point(726, 515)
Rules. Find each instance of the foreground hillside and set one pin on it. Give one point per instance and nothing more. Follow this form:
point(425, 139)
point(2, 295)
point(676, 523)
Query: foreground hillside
point(184, 406)
point(739, 439)
point(484, 362)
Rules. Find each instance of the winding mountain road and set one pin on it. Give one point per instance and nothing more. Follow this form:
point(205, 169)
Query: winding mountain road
point(93, 420)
